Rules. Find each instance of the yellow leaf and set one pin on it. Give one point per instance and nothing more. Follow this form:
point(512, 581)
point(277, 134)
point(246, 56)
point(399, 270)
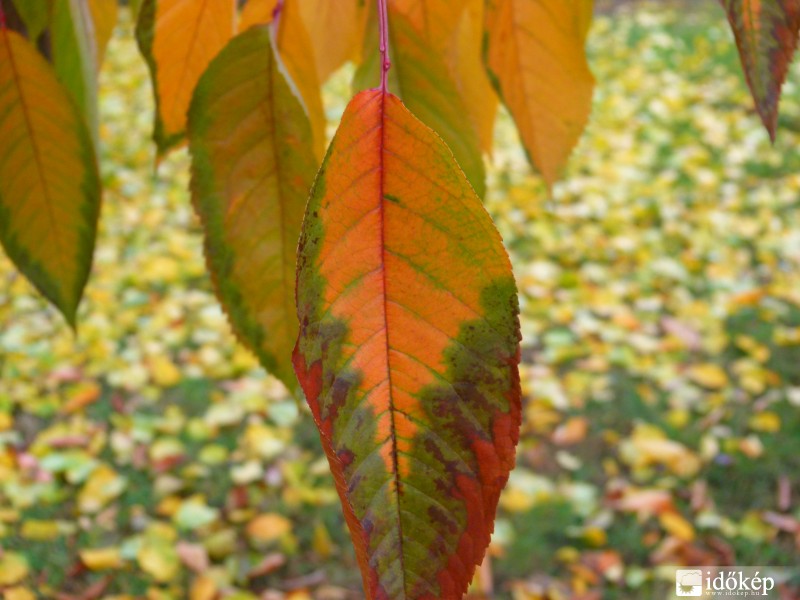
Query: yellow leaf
point(536, 56)
point(594, 536)
point(179, 38)
point(322, 543)
point(104, 19)
point(674, 524)
point(768, 422)
point(100, 559)
point(18, 593)
point(103, 485)
point(49, 187)
point(708, 375)
point(35, 529)
point(649, 446)
point(160, 561)
point(268, 527)
point(164, 372)
point(13, 568)
point(203, 588)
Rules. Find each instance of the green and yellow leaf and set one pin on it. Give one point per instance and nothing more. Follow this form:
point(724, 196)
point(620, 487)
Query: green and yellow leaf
point(252, 167)
point(408, 350)
point(75, 56)
point(766, 34)
point(435, 21)
point(296, 48)
point(35, 14)
point(466, 66)
point(104, 19)
point(178, 39)
point(49, 186)
point(421, 77)
point(536, 59)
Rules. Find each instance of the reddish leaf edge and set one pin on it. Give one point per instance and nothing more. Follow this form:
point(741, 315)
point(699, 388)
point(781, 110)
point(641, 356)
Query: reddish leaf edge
point(497, 459)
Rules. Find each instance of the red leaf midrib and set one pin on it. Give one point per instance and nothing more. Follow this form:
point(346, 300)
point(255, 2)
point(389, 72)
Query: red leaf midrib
point(392, 425)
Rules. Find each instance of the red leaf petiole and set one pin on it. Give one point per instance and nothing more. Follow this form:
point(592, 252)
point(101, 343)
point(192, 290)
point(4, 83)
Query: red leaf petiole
point(383, 22)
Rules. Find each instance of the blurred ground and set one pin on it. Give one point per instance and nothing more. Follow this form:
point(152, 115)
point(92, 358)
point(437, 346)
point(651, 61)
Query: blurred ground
point(660, 288)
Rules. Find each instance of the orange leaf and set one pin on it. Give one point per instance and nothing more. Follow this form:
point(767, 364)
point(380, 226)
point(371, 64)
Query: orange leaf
point(256, 12)
point(337, 31)
point(178, 39)
point(535, 55)
point(408, 350)
point(49, 185)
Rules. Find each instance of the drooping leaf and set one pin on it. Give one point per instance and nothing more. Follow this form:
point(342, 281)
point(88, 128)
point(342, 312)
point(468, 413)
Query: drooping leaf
point(420, 76)
point(256, 12)
point(35, 14)
point(178, 39)
point(296, 49)
point(766, 34)
point(408, 350)
point(49, 186)
point(466, 65)
point(104, 19)
point(337, 30)
point(535, 56)
point(75, 55)
point(135, 6)
point(252, 167)
point(435, 21)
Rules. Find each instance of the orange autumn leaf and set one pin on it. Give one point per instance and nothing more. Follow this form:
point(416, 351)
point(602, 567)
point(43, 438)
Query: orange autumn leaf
point(408, 350)
point(337, 31)
point(535, 55)
point(256, 12)
point(178, 39)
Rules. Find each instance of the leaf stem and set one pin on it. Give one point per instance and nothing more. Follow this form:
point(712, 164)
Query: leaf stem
point(383, 22)
point(3, 23)
point(276, 16)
